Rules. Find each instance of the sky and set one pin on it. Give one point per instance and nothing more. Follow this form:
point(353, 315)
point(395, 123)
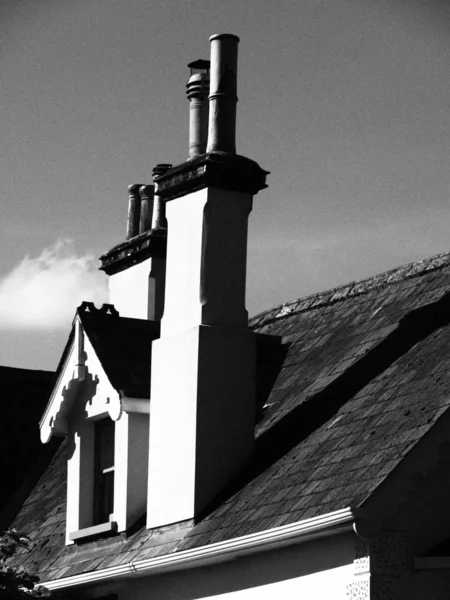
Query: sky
point(345, 102)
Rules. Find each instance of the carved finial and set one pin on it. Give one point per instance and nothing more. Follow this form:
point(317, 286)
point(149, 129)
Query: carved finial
point(87, 307)
point(110, 310)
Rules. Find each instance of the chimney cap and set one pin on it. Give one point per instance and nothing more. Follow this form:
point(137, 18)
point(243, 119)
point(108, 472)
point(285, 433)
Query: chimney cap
point(201, 65)
point(160, 169)
point(147, 188)
point(133, 188)
point(218, 36)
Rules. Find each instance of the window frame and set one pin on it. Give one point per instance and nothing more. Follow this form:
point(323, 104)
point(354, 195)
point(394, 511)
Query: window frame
point(104, 471)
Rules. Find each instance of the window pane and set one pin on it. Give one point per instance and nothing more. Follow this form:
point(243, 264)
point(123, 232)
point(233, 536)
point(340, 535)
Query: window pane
point(104, 471)
point(105, 444)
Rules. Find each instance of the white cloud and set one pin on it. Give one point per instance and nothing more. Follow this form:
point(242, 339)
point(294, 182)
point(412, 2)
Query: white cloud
point(43, 292)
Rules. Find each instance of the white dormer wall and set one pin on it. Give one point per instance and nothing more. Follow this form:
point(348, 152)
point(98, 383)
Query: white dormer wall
point(130, 452)
point(138, 291)
point(131, 461)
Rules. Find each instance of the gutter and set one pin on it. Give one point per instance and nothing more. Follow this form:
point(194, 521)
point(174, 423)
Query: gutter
point(329, 524)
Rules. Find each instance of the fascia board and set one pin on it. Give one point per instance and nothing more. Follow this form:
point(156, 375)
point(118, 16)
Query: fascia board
point(329, 524)
point(66, 355)
point(67, 372)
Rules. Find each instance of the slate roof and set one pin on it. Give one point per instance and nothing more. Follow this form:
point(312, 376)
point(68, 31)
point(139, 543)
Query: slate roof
point(358, 379)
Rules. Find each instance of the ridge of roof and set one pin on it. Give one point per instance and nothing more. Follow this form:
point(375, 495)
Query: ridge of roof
point(353, 288)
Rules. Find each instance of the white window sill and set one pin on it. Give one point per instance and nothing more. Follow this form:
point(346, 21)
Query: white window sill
point(94, 531)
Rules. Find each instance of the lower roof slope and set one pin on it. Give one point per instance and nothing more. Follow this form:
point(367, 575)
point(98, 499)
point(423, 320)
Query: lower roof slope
point(360, 377)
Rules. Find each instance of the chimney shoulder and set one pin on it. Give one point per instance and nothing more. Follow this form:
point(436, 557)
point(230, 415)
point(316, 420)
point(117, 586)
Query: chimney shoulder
point(226, 171)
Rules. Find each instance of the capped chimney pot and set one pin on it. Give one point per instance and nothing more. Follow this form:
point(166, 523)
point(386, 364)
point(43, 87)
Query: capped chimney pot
point(134, 210)
point(223, 93)
point(159, 210)
point(147, 194)
point(197, 91)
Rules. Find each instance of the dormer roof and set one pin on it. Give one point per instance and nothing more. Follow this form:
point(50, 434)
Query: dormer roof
point(102, 348)
point(123, 346)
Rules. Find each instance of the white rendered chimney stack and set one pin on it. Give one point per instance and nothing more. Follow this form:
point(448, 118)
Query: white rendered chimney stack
point(223, 93)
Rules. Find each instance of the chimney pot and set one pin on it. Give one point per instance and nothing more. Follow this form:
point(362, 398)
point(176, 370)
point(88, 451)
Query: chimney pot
point(134, 210)
point(159, 210)
point(146, 192)
point(223, 93)
point(197, 91)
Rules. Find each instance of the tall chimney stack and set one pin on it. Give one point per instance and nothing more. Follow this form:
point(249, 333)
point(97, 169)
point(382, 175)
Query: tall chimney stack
point(223, 93)
point(203, 365)
point(197, 91)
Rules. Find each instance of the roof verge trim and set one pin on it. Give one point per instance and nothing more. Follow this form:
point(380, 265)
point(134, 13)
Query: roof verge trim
point(353, 288)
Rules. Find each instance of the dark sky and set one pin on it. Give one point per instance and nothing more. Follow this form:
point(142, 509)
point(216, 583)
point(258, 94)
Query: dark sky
point(345, 102)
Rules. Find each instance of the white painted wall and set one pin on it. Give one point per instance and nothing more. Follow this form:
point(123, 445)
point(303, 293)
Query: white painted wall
point(325, 585)
point(184, 247)
point(128, 290)
point(80, 476)
point(138, 291)
point(202, 418)
point(98, 399)
point(131, 468)
point(206, 260)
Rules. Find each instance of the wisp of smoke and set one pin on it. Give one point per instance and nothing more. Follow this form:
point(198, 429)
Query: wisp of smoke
point(43, 292)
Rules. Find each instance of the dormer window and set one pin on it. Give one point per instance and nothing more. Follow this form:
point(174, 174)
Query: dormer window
point(100, 401)
point(104, 471)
